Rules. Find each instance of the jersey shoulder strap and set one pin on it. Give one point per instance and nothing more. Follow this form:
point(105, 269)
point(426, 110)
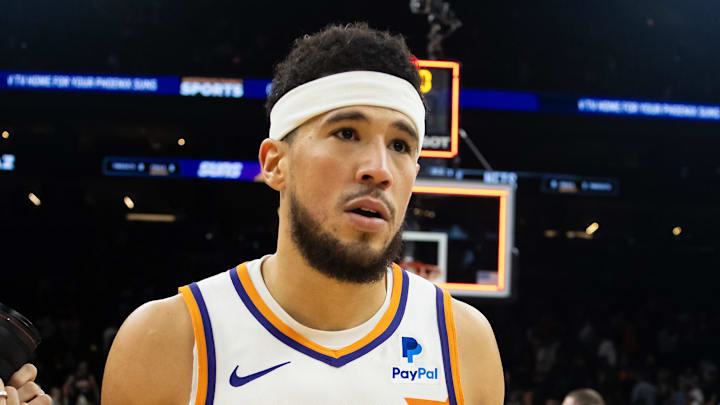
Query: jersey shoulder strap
point(448, 340)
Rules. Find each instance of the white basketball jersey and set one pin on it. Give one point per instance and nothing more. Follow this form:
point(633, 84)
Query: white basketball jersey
point(247, 354)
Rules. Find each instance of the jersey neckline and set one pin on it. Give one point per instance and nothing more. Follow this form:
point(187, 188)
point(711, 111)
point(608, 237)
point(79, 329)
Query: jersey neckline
point(331, 339)
point(335, 357)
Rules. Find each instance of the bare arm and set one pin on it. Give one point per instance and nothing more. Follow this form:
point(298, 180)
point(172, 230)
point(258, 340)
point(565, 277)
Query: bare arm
point(481, 373)
point(150, 362)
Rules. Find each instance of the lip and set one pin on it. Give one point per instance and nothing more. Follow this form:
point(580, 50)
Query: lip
point(366, 224)
point(371, 204)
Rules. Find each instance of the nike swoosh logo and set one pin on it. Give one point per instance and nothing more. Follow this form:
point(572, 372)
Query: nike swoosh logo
point(237, 381)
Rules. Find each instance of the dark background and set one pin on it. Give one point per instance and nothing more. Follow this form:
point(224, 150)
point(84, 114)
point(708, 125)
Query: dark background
point(78, 268)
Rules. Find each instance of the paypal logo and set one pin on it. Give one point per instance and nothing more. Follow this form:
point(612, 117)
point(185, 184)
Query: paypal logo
point(417, 375)
point(410, 348)
point(420, 374)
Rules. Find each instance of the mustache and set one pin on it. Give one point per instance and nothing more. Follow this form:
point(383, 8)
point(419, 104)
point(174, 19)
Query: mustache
point(371, 192)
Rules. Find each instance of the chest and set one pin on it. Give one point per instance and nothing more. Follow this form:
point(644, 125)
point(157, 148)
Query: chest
point(257, 359)
point(255, 366)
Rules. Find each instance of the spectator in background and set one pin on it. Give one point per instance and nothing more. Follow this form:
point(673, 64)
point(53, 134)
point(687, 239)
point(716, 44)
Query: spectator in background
point(644, 392)
point(607, 352)
point(583, 396)
point(56, 395)
point(544, 339)
point(695, 395)
point(81, 388)
point(664, 385)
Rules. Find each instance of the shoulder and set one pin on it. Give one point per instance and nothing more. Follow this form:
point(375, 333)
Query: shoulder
point(481, 374)
point(151, 359)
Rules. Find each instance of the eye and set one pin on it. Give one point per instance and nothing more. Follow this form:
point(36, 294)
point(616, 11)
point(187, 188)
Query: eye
point(345, 133)
point(400, 146)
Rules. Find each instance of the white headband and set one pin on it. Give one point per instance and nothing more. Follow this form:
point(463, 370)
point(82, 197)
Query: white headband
point(343, 90)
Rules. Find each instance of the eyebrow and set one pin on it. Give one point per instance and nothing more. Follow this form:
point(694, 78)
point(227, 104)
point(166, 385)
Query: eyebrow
point(347, 115)
point(358, 116)
point(405, 127)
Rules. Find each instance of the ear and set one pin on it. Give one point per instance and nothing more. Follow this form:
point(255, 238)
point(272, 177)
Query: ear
point(273, 168)
point(417, 169)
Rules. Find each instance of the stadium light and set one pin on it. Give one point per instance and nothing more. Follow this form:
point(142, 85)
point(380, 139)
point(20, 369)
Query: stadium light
point(592, 228)
point(150, 217)
point(34, 199)
point(129, 202)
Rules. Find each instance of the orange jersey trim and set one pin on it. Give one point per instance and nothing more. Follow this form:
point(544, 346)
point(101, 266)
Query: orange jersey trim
point(199, 332)
point(382, 325)
point(452, 346)
point(420, 401)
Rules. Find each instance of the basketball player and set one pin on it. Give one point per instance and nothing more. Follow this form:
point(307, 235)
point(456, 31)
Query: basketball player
point(327, 318)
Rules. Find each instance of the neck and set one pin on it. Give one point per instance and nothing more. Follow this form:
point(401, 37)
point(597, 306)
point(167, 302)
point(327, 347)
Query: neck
point(314, 299)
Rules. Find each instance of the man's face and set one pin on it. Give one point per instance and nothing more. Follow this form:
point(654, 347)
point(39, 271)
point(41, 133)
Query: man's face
point(351, 173)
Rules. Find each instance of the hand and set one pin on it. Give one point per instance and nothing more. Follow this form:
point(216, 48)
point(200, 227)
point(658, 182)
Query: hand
point(21, 389)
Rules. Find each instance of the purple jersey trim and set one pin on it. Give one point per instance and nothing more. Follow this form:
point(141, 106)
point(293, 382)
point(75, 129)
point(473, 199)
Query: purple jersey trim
point(332, 361)
point(209, 342)
point(442, 328)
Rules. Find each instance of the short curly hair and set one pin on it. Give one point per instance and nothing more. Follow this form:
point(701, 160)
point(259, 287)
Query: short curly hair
point(342, 48)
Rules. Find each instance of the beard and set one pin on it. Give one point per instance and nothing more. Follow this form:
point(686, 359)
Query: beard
point(352, 262)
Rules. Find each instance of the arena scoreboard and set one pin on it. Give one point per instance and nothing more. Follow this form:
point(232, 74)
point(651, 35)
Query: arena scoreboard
point(440, 85)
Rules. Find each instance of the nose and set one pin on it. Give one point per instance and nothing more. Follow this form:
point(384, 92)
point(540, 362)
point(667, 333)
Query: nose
point(374, 168)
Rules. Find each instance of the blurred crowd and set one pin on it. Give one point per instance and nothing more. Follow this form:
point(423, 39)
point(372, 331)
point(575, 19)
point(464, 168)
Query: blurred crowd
point(650, 354)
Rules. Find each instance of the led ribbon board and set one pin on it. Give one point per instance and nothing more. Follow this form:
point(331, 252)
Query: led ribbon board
point(89, 83)
point(212, 87)
point(181, 168)
point(440, 85)
point(567, 184)
point(489, 206)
